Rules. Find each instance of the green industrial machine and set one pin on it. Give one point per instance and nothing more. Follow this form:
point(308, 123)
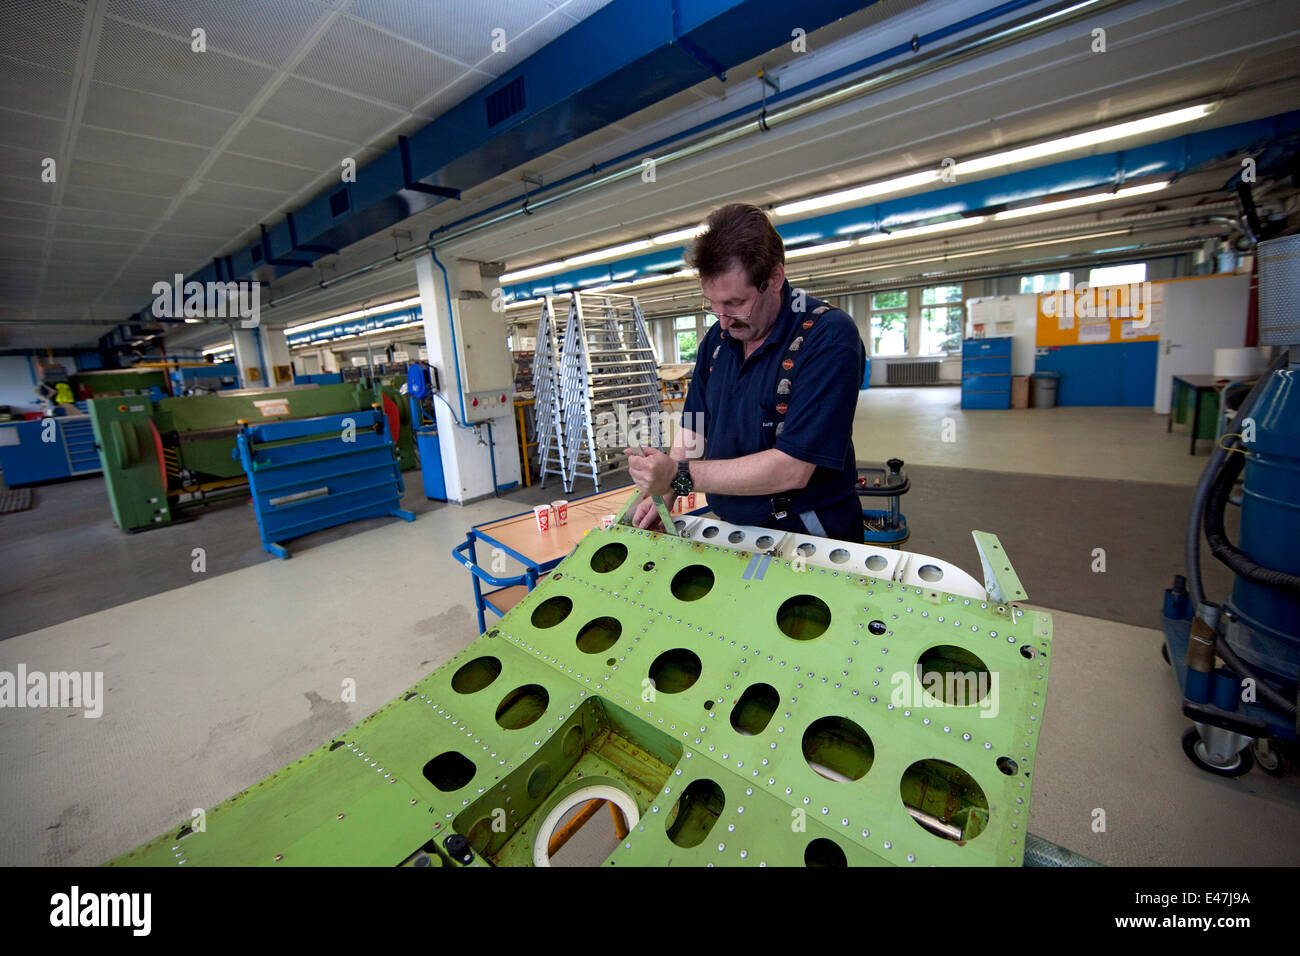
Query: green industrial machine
point(163, 457)
point(114, 382)
point(743, 697)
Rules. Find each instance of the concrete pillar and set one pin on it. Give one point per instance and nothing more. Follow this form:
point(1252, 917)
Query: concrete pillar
point(471, 437)
point(279, 365)
point(251, 358)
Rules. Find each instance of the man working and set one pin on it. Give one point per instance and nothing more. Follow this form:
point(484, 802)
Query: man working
point(775, 387)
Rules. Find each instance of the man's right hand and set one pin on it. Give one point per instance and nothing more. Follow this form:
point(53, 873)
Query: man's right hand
point(647, 515)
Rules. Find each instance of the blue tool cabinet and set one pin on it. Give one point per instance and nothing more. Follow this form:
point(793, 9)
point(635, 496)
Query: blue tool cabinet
point(26, 456)
point(986, 373)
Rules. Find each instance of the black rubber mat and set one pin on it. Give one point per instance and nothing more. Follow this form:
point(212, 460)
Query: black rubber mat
point(15, 499)
point(1056, 530)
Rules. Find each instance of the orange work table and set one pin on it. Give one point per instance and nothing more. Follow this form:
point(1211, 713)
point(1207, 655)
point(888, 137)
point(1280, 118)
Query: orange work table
point(538, 551)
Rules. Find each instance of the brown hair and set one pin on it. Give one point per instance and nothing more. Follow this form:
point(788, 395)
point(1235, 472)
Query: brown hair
point(737, 234)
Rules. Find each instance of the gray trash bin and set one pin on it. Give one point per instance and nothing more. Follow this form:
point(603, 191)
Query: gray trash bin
point(1045, 389)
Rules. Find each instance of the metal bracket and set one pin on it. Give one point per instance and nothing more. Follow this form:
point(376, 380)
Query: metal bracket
point(702, 58)
point(1000, 579)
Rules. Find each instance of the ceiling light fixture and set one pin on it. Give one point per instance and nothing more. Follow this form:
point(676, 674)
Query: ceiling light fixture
point(1005, 158)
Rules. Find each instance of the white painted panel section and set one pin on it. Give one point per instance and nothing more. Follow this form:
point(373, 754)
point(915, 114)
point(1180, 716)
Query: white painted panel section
point(1200, 315)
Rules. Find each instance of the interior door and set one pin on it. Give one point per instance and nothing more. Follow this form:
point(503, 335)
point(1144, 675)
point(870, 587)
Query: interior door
point(1200, 315)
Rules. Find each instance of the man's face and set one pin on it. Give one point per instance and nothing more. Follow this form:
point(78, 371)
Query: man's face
point(732, 294)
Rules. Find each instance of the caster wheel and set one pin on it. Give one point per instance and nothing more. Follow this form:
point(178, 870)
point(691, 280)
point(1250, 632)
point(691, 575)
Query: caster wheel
point(1164, 652)
point(1195, 750)
point(1266, 757)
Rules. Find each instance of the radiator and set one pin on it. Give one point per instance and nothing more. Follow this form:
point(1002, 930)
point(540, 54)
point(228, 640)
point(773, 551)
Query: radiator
point(911, 373)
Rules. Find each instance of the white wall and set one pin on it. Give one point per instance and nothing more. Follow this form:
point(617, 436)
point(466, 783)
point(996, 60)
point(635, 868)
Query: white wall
point(1200, 315)
point(16, 385)
point(1016, 315)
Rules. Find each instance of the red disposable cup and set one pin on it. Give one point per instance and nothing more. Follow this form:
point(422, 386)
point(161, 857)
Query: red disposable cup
point(607, 521)
point(561, 513)
point(542, 514)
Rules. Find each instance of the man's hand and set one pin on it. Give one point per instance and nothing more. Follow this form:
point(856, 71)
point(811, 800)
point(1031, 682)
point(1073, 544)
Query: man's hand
point(647, 515)
point(652, 471)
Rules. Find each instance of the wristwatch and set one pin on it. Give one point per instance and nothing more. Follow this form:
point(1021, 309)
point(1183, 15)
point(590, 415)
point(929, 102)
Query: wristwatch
point(682, 484)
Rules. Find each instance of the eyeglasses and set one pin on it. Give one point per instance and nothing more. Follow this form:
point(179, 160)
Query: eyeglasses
point(709, 310)
point(708, 307)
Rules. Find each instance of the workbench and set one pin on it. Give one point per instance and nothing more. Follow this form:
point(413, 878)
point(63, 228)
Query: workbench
point(539, 552)
point(1199, 396)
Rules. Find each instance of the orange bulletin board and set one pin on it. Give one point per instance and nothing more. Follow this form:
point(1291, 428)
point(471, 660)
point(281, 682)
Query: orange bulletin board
point(1106, 314)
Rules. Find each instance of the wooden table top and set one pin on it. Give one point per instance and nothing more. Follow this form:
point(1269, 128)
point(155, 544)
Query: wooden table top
point(520, 534)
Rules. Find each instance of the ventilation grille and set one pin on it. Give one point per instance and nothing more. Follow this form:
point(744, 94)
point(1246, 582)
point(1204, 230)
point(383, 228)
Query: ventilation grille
point(911, 373)
point(505, 102)
point(1279, 291)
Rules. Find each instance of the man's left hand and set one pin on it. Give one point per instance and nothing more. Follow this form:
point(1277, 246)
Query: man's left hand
point(651, 470)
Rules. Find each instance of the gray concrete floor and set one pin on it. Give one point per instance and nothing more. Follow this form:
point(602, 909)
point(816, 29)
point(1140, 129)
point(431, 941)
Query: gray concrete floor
point(215, 682)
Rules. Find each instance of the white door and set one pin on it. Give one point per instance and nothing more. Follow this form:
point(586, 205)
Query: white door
point(1200, 315)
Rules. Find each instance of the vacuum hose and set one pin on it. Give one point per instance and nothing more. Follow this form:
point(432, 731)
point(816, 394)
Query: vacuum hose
point(1223, 549)
point(1208, 506)
point(1192, 545)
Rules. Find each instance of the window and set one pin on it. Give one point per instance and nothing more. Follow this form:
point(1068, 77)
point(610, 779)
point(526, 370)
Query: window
point(1131, 274)
point(889, 323)
point(687, 333)
point(1052, 282)
point(942, 315)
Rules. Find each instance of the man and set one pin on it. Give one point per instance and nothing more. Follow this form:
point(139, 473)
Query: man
point(776, 387)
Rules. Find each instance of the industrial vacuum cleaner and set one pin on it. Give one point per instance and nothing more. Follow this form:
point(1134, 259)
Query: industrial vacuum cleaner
point(1236, 662)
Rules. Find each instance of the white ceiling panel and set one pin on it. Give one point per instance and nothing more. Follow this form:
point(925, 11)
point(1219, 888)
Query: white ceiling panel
point(461, 29)
point(262, 174)
point(141, 59)
point(145, 182)
point(41, 133)
point(148, 154)
point(113, 201)
point(132, 111)
point(284, 145)
point(43, 32)
point(321, 109)
point(359, 57)
point(34, 89)
point(23, 228)
point(262, 30)
point(103, 217)
point(24, 210)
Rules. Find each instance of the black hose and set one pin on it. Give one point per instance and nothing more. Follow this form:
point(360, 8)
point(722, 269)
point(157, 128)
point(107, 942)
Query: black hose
point(1266, 691)
point(1192, 543)
point(1223, 549)
point(1236, 560)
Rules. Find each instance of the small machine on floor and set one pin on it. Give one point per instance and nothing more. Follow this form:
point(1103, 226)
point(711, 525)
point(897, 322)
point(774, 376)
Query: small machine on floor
point(1237, 663)
point(886, 527)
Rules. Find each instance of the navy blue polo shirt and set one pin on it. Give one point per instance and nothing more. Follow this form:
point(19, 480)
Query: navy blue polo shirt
point(737, 399)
